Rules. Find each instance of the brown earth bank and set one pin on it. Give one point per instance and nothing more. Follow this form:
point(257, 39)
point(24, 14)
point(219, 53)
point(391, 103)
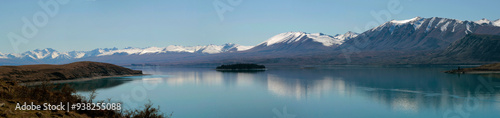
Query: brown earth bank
point(12, 93)
point(489, 68)
point(77, 70)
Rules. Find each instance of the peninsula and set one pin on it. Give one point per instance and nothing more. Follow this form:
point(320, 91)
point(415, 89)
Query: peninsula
point(489, 68)
point(72, 71)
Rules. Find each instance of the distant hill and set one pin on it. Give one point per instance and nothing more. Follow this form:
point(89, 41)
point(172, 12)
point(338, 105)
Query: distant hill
point(29, 73)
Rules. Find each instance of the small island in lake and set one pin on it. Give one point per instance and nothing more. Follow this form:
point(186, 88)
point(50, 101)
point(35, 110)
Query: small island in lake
point(489, 68)
point(241, 67)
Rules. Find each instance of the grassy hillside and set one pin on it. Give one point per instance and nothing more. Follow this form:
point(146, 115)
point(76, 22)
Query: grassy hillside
point(30, 73)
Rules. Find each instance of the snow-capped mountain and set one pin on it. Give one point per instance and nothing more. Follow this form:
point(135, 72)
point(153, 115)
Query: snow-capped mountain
point(2, 56)
point(346, 36)
point(301, 41)
point(292, 37)
point(209, 49)
point(51, 54)
point(420, 34)
point(485, 21)
point(496, 23)
point(395, 41)
point(37, 54)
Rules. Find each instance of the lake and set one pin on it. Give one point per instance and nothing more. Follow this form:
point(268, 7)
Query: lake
point(312, 92)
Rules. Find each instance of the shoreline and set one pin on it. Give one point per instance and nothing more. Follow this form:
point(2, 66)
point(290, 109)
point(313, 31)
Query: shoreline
point(76, 80)
point(481, 72)
point(473, 71)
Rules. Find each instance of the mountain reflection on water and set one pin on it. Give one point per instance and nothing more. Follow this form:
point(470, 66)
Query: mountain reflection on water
point(405, 89)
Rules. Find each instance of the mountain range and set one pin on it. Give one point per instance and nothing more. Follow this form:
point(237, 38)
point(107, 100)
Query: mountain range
point(50, 53)
point(413, 41)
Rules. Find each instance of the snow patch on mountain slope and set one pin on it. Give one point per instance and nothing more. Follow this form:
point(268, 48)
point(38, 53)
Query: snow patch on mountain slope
point(468, 29)
point(483, 21)
point(208, 49)
point(288, 37)
point(211, 49)
point(445, 27)
point(128, 51)
point(405, 21)
point(346, 36)
point(393, 24)
point(151, 50)
point(291, 37)
point(429, 25)
point(229, 47)
point(435, 22)
point(77, 54)
point(54, 55)
point(416, 22)
point(496, 23)
point(454, 26)
point(40, 54)
point(443, 20)
point(324, 39)
point(176, 48)
point(2, 56)
point(243, 48)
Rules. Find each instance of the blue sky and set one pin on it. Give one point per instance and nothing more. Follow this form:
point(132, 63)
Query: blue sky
point(90, 24)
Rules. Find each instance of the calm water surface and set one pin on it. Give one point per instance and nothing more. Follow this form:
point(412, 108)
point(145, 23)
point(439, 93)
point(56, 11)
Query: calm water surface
point(336, 91)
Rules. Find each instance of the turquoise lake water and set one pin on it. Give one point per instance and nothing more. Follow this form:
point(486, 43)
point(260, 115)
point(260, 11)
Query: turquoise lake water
point(292, 92)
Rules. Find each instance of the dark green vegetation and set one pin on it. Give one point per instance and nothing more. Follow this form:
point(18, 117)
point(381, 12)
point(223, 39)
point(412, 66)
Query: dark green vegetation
point(489, 68)
point(31, 73)
point(241, 67)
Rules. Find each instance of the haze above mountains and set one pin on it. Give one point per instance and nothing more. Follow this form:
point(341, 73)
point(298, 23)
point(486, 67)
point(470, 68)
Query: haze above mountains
point(413, 41)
